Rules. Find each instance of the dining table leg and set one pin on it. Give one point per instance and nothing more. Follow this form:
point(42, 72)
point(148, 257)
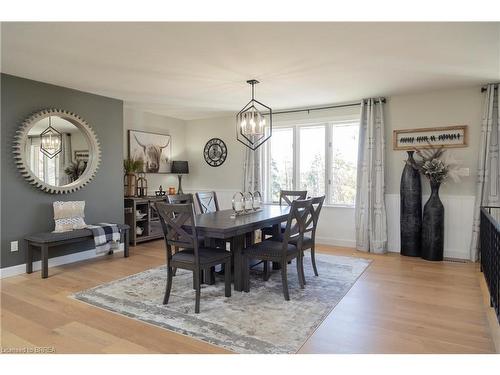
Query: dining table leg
point(241, 281)
point(249, 239)
point(209, 275)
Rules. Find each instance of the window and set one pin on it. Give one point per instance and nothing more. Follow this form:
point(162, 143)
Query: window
point(281, 162)
point(312, 159)
point(344, 159)
point(319, 158)
point(45, 169)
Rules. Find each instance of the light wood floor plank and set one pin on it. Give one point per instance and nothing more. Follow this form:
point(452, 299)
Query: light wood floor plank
point(399, 305)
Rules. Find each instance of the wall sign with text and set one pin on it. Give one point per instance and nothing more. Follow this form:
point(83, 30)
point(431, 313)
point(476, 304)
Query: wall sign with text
point(448, 136)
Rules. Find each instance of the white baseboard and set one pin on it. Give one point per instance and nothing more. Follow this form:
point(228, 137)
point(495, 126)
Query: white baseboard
point(335, 242)
point(54, 262)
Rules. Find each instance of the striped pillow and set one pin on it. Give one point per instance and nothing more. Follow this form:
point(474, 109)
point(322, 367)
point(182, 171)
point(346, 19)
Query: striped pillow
point(69, 215)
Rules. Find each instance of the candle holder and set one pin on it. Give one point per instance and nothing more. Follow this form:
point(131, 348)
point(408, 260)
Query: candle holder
point(257, 199)
point(248, 199)
point(238, 203)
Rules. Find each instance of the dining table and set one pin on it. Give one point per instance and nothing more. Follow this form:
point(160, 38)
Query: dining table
point(223, 224)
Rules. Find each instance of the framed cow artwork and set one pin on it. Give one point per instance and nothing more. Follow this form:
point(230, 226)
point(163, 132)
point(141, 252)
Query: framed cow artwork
point(154, 149)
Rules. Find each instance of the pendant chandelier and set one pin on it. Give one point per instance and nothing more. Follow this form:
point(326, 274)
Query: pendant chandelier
point(254, 123)
point(50, 141)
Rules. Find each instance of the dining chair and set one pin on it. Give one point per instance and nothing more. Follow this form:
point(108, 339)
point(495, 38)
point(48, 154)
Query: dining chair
point(284, 251)
point(177, 218)
point(180, 198)
point(309, 240)
point(286, 196)
point(207, 201)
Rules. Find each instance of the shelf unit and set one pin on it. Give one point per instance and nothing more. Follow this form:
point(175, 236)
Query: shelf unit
point(150, 223)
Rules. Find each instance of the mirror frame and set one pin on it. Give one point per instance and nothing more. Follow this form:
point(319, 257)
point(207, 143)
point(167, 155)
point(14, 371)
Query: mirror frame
point(21, 138)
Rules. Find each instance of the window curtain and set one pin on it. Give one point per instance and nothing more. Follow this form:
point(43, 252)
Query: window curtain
point(370, 213)
point(253, 170)
point(488, 171)
point(65, 159)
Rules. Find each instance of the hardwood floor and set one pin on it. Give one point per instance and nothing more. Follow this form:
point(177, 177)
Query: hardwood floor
point(399, 305)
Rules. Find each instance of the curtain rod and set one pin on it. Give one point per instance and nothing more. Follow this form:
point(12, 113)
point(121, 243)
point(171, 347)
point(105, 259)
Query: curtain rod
point(320, 108)
point(483, 89)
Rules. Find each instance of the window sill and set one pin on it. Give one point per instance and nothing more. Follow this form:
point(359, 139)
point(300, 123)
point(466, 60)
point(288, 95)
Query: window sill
point(324, 205)
point(339, 206)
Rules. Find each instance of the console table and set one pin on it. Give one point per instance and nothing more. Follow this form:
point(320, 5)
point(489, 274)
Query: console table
point(149, 222)
point(43, 241)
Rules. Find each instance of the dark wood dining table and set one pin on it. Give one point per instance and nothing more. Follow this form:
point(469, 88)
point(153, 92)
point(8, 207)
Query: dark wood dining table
point(221, 225)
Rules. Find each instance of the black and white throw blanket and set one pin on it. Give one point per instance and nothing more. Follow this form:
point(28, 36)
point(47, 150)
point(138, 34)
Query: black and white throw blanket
point(106, 237)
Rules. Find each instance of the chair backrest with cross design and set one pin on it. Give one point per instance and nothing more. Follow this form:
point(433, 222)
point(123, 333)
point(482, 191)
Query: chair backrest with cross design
point(300, 214)
point(179, 230)
point(180, 198)
point(288, 196)
point(207, 201)
point(312, 223)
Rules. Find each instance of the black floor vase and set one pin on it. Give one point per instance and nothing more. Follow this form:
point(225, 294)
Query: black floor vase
point(433, 226)
point(411, 210)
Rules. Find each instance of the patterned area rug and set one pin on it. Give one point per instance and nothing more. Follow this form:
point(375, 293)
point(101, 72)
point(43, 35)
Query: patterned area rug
point(260, 321)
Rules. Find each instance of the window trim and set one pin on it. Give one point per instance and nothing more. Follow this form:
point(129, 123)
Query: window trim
point(295, 125)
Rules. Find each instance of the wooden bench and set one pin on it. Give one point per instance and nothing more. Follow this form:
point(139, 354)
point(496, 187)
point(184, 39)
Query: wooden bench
point(43, 241)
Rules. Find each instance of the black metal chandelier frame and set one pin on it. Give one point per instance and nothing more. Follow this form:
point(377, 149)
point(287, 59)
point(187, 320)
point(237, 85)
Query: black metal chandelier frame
point(240, 136)
point(50, 130)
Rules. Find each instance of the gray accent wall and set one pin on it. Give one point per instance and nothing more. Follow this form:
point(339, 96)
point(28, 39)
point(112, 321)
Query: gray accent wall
point(24, 209)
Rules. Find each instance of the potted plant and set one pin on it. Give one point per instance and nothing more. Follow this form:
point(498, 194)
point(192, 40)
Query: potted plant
point(130, 167)
point(436, 167)
point(75, 169)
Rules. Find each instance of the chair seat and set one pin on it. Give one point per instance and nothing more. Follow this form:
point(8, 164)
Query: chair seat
point(307, 242)
point(207, 255)
point(268, 231)
point(269, 249)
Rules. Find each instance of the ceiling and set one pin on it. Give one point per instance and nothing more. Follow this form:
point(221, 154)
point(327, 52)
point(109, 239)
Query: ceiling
point(197, 70)
point(58, 123)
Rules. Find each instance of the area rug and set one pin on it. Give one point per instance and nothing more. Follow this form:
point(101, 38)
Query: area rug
point(260, 321)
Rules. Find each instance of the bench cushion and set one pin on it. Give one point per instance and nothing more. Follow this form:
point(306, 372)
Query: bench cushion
point(49, 237)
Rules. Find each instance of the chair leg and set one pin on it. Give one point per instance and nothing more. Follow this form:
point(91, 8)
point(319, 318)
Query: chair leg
point(284, 281)
point(227, 278)
point(266, 275)
point(176, 249)
point(200, 277)
point(246, 270)
point(210, 276)
point(170, 274)
point(302, 269)
point(197, 287)
point(299, 272)
point(313, 260)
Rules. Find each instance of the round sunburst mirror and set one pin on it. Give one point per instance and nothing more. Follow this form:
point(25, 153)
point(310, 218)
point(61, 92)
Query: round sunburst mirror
point(57, 151)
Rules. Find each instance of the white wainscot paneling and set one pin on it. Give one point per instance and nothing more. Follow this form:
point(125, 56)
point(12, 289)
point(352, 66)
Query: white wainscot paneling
point(458, 214)
point(336, 227)
point(337, 224)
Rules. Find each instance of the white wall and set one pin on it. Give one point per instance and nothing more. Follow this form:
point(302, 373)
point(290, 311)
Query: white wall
point(139, 120)
point(228, 176)
point(437, 108)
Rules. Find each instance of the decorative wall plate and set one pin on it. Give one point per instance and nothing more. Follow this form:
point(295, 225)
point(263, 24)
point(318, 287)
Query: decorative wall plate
point(215, 152)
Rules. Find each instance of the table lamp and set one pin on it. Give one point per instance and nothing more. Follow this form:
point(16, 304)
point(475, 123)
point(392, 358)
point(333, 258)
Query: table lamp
point(180, 168)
